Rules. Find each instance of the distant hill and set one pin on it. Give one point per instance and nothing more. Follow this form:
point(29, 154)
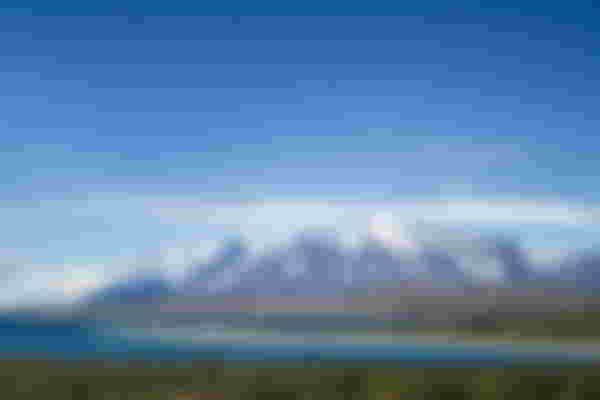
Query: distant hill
point(141, 287)
point(318, 263)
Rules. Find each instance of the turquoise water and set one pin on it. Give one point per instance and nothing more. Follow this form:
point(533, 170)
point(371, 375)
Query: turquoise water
point(64, 341)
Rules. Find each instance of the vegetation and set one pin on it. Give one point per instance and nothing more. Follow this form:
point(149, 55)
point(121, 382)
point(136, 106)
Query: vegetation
point(558, 326)
point(218, 380)
point(582, 325)
point(105, 380)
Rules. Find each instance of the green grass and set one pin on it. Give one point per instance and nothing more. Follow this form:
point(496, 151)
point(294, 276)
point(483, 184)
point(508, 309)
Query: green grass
point(47, 380)
point(560, 327)
point(218, 380)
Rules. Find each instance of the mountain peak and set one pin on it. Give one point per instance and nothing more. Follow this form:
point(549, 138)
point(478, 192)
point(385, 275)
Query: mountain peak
point(384, 229)
point(318, 261)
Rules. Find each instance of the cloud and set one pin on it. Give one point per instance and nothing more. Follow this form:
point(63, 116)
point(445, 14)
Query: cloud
point(184, 229)
point(277, 214)
point(271, 222)
point(52, 285)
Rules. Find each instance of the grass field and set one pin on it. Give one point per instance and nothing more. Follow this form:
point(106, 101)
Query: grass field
point(219, 380)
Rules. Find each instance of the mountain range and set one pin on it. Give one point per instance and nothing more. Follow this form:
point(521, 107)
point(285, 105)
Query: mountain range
point(314, 263)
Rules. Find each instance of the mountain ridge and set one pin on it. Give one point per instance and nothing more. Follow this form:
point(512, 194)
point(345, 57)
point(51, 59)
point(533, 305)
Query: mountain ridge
point(317, 262)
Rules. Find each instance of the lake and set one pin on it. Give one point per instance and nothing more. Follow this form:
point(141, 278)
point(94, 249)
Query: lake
point(22, 340)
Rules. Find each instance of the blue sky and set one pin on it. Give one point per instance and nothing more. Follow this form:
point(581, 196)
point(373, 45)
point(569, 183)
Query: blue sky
point(108, 121)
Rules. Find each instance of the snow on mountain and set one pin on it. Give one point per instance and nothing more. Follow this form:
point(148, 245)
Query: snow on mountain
point(231, 256)
point(581, 271)
point(140, 287)
point(320, 261)
point(392, 234)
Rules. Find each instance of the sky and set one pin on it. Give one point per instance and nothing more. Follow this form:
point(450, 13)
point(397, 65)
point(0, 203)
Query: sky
point(156, 133)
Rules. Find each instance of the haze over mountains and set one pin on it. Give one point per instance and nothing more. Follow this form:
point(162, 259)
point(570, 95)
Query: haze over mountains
point(318, 262)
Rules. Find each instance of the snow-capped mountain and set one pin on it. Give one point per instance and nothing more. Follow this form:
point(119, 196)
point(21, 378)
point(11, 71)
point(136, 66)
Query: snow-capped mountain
point(140, 287)
point(228, 261)
point(318, 262)
point(314, 262)
point(581, 271)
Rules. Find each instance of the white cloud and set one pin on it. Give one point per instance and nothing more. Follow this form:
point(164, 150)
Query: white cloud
point(200, 225)
point(177, 256)
point(451, 209)
point(282, 215)
point(268, 223)
point(52, 285)
point(80, 282)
